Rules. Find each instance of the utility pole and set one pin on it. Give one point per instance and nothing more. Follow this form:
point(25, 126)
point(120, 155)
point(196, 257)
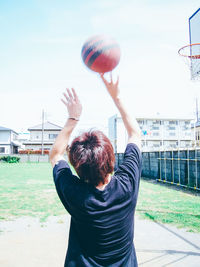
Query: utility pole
point(42, 132)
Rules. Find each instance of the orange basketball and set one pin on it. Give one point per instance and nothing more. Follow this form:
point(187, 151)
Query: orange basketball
point(101, 53)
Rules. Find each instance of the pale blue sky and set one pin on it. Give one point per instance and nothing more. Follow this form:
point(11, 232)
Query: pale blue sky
point(40, 46)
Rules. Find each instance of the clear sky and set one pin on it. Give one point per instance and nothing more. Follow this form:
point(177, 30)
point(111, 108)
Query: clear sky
point(40, 47)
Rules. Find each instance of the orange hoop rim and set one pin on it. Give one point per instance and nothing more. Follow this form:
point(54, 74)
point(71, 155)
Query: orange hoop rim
point(181, 50)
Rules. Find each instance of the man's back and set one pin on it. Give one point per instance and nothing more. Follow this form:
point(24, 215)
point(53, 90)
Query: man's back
point(102, 222)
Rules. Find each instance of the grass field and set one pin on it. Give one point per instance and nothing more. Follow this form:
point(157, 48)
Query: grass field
point(27, 189)
point(164, 204)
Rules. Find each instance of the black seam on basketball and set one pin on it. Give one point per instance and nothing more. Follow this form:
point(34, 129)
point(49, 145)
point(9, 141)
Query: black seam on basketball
point(98, 53)
point(87, 52)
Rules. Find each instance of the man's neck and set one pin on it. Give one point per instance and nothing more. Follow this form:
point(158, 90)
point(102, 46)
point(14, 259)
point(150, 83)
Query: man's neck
point(101, 186)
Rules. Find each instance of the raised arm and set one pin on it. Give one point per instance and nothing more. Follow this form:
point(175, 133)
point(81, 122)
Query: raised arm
point(130, 123)
point(74, 108)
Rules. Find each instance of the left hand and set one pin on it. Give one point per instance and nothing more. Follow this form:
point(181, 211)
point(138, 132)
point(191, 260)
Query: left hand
point(73, 104)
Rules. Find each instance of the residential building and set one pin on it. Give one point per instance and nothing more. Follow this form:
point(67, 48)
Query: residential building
point(196, 133)
point(42, 136)
point(8, 141)
point(157, 133)
point(23, 137)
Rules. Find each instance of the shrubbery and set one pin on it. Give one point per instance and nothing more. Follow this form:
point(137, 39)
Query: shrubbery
point(10, 159)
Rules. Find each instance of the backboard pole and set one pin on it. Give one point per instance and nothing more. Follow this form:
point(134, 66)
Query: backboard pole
point(197, 109)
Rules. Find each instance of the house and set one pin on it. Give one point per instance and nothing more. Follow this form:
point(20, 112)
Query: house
point(157, 133)
point(8, 141)
point(23, 137)
point(42, 136)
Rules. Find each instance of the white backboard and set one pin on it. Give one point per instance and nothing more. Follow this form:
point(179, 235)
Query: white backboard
point(194, 31)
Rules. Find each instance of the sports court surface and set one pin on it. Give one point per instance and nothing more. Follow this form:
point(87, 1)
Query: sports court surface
point(26, 243)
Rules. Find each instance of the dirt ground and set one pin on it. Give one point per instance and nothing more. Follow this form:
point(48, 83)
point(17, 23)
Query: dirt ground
point(27, 242)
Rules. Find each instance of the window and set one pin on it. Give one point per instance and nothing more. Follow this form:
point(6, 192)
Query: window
point(172, 145)
point(53, 136)
point(172, 134)
point(156, 122)
point(155, 128)
point(155, 134)
point(156, 145)
point(173, 122)
point(182, 143)
point(2, 149)
point(185, 128)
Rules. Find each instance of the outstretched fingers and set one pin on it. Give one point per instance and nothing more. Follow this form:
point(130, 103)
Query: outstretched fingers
point(117, 82)
point(69, 94)
point(64, 102)
point(106, 82)
point(103, 79)
point(67, 97)
point(75, 95)
point(111, 79)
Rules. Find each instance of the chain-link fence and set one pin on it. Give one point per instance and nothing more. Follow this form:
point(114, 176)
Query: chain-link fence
point(180, 167)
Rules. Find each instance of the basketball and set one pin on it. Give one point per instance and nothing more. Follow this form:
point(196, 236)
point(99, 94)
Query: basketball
point(101, 53)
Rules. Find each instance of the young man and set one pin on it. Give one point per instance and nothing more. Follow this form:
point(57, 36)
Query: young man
point(101, 203)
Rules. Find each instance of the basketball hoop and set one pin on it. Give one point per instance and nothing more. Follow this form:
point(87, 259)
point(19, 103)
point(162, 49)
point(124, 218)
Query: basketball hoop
point(191, 55)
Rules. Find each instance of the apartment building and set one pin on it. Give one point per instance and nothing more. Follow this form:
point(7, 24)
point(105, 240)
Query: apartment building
point(196, 133)
point(157, 133)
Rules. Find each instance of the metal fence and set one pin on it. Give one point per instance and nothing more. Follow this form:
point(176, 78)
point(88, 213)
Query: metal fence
point(180, 167)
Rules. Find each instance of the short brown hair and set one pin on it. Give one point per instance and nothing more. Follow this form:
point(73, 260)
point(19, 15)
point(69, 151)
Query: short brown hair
point(92, 156)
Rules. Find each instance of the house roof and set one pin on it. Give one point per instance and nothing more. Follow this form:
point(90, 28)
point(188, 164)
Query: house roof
point(47, 126)
point(6, 129)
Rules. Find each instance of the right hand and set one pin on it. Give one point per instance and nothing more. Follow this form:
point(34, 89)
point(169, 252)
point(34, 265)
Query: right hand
point(112, 87)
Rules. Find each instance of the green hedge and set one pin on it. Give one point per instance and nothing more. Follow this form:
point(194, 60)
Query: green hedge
point(10, 159)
